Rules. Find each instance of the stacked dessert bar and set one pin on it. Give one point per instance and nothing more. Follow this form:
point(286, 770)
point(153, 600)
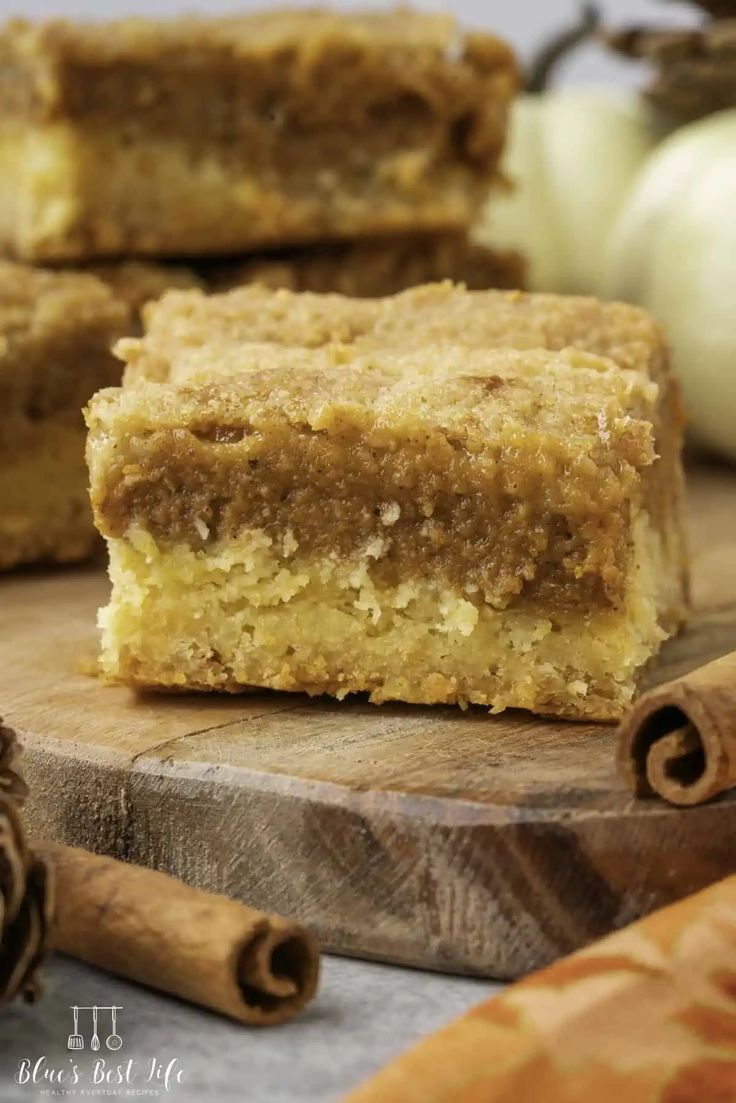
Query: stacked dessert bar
point(305, 149)
point(210, 136)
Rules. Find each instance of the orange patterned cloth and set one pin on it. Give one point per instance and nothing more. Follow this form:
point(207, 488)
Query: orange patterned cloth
point(647, 1015)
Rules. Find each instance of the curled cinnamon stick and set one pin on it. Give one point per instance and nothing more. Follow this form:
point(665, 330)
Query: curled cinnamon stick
point(679, 740)
point(137, 923)
point(647, 1014)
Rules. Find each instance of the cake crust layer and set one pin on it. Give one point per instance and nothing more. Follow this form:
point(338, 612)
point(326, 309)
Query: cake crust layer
point(254, 612)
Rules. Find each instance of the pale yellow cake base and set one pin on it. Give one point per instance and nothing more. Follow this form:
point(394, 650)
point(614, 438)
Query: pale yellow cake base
point(44, 501)
point(251, 613)
point(69, 194)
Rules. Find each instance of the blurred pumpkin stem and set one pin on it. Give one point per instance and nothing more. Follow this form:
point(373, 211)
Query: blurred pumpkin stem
point(556, 49)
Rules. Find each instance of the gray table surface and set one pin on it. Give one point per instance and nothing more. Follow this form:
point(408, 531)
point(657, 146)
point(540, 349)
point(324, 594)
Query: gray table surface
point(364, 1015)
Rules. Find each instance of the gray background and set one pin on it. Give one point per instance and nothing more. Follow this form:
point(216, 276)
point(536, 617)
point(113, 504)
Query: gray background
point(366, 1013)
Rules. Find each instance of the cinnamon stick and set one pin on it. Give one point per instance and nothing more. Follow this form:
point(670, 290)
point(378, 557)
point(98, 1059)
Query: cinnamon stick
point(259, 969)
point(679, 740)
point(647, 1015)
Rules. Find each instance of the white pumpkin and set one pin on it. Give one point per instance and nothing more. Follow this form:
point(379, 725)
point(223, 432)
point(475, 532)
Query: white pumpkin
point(673, 251)
point(571, 155)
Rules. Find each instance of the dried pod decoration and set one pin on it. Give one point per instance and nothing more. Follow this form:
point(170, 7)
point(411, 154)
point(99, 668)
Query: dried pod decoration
point(554, 51)
point(717, 9)
point(25, 891)
point(694, 68)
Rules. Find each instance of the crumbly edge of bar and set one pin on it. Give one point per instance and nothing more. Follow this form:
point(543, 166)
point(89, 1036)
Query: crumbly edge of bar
point(251, 613)
point(663, 484)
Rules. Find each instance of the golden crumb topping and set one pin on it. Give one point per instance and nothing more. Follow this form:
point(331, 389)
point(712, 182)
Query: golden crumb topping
point(436, 314)
point(38, 302)
point(479, 396)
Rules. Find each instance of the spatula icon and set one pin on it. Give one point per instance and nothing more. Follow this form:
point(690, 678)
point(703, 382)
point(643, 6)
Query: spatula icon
point(76, 1041)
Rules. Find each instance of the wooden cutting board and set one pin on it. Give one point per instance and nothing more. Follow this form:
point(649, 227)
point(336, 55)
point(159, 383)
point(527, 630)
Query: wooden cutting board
point(432, 837)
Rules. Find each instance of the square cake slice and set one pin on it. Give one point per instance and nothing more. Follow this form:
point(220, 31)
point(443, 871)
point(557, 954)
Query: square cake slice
point(197, 135)
point(438, 524)
point(56, 332)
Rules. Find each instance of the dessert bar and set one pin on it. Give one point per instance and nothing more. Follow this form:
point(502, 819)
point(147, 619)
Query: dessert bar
point(56, 331)
point(331, 495)
point(219, 135)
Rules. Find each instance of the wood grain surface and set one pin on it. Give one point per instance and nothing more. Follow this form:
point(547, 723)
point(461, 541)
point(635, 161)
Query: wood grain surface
point(432, 837)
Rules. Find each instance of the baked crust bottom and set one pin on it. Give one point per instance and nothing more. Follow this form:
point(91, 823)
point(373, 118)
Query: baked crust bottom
point(89, 194)
point(44, 502)
point(249, 612)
